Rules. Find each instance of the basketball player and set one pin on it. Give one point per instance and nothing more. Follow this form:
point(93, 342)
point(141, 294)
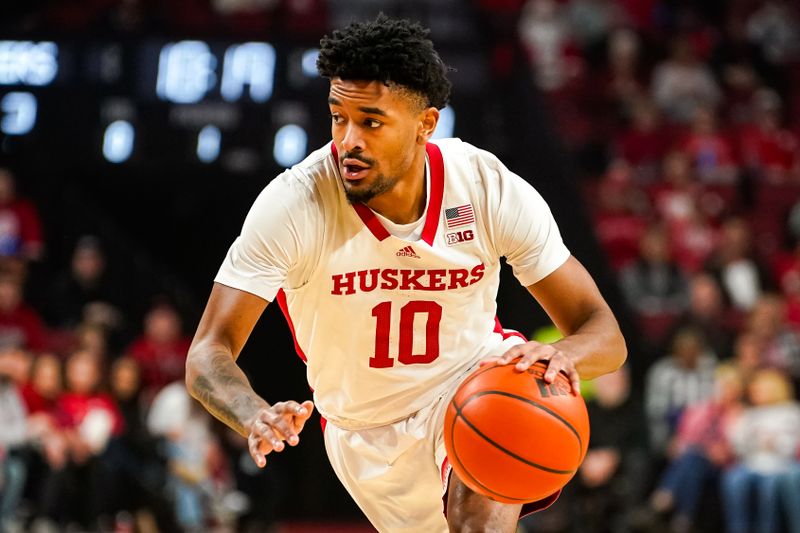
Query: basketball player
point(383, 251)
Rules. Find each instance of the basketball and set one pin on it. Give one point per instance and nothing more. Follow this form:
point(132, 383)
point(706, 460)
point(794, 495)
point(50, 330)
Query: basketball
point(513, 437)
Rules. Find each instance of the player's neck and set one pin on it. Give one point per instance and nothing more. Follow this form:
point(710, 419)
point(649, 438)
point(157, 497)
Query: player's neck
point(406, 201)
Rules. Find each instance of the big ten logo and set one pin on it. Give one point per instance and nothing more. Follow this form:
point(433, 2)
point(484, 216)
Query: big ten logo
point(457, 237)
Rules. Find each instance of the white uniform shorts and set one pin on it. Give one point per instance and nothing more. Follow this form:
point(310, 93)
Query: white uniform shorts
point(398, 473)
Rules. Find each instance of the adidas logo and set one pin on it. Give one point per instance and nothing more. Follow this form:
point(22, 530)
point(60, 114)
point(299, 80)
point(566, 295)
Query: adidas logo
point(407, 251)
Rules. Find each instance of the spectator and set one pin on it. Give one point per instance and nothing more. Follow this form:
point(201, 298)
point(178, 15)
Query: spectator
point(20, 227)
point(624, 84)
point(20, 324)
point(768, 148)
point(682, 379)
point(775, 27)
point(161, 349)
point(682, 83)
point(88, 281)
point(699, 450)
point(610, 480)
point(780, 345)
point(644, 145)
point(133, 456)
point(13, 432)
point(544, 32)
point(711, 153)
point(618, 217)
point(766, 440)
point(192, 448)
point(747, 352)
point(787, 274)
point(740, 274)
point(708, 314)
point(41, 394)
point(87, 419)
point(654, 285)
point(592, 20)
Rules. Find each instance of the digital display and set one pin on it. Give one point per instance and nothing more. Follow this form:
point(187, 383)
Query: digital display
point(246, 106)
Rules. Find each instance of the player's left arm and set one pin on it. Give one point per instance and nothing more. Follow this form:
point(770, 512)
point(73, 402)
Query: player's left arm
point(592, 343)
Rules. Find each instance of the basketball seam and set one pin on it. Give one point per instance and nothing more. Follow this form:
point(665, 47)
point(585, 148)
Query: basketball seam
point(466, 472)
point(505, 450)
point(530, 402)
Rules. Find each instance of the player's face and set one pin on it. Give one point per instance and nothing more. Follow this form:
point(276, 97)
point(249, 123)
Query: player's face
point(377, 130)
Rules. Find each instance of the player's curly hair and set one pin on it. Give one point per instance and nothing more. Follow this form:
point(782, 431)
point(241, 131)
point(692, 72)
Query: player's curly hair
point(393, 51)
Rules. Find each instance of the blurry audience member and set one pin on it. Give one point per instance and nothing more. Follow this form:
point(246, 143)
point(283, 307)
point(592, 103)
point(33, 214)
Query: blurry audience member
point(92, 337)
point(20, 227)
point(654, 286)
point(611, 479)
point(20, 324)
point(699, 450)
point(711, 152)
point(626, 82)
point(88, 281)
point(775, 27)
point(747, 355)
point(645, 143)
point(780, 344)
point(191, 449)
point(16, 363)
point(87, 419)
point(618, 215)
point(769, 150)
point(681, 83)
point(740, 274)
point(676, 197)
point(161, 349)
point(786, 268)
point(592, 20)
point(766, 440)
point(545, 34)
point(44, 387)
point(13, 434)
point(133, 456)
point(707, 313)
point(682, 379)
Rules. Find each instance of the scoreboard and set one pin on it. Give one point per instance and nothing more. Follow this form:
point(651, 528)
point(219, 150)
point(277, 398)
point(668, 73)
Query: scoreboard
point(244, 106)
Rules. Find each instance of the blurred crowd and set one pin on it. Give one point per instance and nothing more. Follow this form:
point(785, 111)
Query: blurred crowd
point(97, 431)
point(682, 119)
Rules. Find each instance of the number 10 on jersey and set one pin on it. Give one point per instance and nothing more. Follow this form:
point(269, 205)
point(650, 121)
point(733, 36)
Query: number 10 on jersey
point(405, 351)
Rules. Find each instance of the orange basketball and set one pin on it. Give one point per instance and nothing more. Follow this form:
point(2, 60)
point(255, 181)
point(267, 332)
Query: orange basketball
point(512, 437)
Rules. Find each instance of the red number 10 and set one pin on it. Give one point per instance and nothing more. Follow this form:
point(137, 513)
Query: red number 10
point(405, 353)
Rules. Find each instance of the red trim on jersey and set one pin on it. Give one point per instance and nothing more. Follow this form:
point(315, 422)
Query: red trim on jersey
point(437, 192)
point(371, 221)
point(445, 464)
point(507, 333)
point(434, 202)
point(281, 298)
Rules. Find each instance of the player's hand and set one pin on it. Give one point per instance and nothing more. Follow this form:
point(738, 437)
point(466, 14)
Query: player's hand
point(274, 425)
point(532, 351)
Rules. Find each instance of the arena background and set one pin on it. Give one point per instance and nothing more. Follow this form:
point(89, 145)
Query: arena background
point(152, 126)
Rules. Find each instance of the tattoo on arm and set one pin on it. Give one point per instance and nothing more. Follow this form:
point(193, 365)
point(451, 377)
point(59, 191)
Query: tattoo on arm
point(224, 390)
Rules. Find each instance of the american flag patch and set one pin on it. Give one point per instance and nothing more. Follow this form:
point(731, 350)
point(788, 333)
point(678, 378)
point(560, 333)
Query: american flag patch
point(459, 216)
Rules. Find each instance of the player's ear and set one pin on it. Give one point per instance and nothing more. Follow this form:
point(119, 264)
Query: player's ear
point(429, 117)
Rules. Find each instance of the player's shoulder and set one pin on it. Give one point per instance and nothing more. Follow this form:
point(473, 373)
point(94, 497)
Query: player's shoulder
point(311, 174)
point(468, 159)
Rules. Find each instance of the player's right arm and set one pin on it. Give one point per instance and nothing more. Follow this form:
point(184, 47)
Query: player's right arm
point(217, 382)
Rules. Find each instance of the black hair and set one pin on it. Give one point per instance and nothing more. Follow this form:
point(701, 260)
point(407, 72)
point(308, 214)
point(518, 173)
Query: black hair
point(393, 51)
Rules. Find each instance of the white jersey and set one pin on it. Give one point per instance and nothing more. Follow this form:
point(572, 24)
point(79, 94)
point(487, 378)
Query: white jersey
point(387, 324)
